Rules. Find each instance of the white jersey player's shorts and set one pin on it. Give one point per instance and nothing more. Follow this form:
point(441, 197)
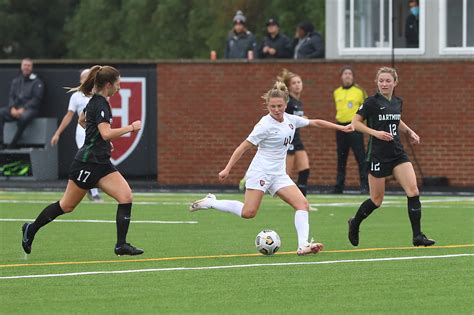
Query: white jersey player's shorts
point(265, 182)
point(80, 136)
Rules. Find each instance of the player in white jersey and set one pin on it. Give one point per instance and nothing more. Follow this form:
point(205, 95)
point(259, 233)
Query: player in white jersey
point(77, 103)
point(267, 172)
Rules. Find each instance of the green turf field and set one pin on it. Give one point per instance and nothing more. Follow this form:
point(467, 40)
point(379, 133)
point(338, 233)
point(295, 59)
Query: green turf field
point(206, 262)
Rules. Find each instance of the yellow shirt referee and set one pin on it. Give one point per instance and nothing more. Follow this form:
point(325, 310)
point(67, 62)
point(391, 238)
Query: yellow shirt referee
point(348, 98)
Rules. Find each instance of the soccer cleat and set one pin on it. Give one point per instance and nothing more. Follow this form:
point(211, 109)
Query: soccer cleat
point(422, 240)
point(204, 203)
point(310, 248)
point(353, 233)
point(127, 249)
point(25, 240)
point(93, 198)
point(96, 198)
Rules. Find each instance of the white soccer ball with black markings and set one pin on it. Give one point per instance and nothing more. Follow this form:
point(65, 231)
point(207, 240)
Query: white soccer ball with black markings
point(268, 242)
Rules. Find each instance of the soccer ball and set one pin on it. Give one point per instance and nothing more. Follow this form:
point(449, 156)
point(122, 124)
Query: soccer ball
point(268, 242)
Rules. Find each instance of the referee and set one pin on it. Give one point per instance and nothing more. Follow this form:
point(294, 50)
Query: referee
point(348, 98)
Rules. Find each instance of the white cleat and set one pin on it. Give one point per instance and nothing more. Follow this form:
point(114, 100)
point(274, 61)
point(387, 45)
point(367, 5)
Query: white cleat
point(311, 248)
point(204, 203)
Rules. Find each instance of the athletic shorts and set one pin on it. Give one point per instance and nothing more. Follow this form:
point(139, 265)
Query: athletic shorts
point(86, 175)
point(296, 144)
point(384, 169)
point(292, 148)
point(265, 182)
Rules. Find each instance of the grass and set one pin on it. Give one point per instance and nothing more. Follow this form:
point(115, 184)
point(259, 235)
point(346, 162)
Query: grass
point(276, 285)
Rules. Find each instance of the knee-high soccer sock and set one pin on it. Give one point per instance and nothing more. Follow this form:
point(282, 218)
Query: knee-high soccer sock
point(122, 221)
point(302, 227)
point(414, 213)
point(303, 180)
point(231, 206)
point(364, 211)
point(49, 213)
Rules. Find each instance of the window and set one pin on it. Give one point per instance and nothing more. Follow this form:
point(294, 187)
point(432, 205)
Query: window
point(379, 26)
point(456, 30)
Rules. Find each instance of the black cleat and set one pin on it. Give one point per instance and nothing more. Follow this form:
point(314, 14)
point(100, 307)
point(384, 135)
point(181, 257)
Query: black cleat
point(353, 233)
point(127, 249)
point(422, 240)
point(25, 240)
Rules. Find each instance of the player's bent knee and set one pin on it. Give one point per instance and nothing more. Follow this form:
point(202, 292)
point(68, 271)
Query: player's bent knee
point(126, 197)
point(304, 205)
point(248, 214)
point(412, 191)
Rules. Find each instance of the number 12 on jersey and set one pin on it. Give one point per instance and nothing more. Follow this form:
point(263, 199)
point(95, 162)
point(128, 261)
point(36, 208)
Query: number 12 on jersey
point(375, 167)
point(393, 129)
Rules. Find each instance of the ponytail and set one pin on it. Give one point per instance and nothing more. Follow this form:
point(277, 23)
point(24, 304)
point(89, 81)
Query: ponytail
point(97, 78)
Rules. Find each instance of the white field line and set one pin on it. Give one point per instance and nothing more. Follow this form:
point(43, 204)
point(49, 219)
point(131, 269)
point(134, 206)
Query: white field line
point(100, 203)
point(102, 221)
point(88, 273)
point(393, 202)
point(327, 204)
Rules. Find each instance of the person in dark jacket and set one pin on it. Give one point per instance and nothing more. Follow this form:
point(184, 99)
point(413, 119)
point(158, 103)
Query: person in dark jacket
point(26, 94)
point(274, 44)
point(411, 25)
point(240, 40)
point(307, 44)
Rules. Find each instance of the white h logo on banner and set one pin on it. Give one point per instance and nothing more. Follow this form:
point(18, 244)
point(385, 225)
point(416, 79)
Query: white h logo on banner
point(122, 112)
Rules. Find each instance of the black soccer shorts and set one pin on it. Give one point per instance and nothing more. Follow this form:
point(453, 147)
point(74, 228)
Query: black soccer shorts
point(86, 175)
point(384, 169)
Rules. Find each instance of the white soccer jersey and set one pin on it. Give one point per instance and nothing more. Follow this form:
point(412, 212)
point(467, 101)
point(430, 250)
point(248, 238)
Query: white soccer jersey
point(77, 103)
point(272, 138)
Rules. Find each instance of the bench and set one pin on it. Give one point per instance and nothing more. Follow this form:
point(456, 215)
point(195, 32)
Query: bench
point(35, 149)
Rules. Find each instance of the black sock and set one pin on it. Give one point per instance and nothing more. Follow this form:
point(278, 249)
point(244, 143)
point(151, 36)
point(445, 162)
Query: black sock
point(124, 211)
point(364, 211)
point(303, 180)
point(46, 216)
point(414, 213)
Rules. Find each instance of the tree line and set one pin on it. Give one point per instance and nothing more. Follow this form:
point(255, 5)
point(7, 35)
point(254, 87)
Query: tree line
point(138, 29)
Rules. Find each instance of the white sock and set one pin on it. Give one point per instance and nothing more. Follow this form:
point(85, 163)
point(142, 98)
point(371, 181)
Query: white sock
point(94, 192)
point(302, 227)
point(231, 206)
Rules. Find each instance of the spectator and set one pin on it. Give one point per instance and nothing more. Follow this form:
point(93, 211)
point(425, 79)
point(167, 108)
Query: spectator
point(307, 44)
point(274, 44)
point(411, 25)
point(348, 98)
point(26, 94)
point(240, 40)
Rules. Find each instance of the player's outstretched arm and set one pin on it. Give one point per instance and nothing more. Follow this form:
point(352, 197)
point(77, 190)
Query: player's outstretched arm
point(358, 123)
point(107, 133)
point(64, 123)
point(238, 152)
point(320, 123)
point(414, 138)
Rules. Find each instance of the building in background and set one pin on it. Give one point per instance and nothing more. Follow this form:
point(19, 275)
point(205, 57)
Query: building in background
point(376, 28)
